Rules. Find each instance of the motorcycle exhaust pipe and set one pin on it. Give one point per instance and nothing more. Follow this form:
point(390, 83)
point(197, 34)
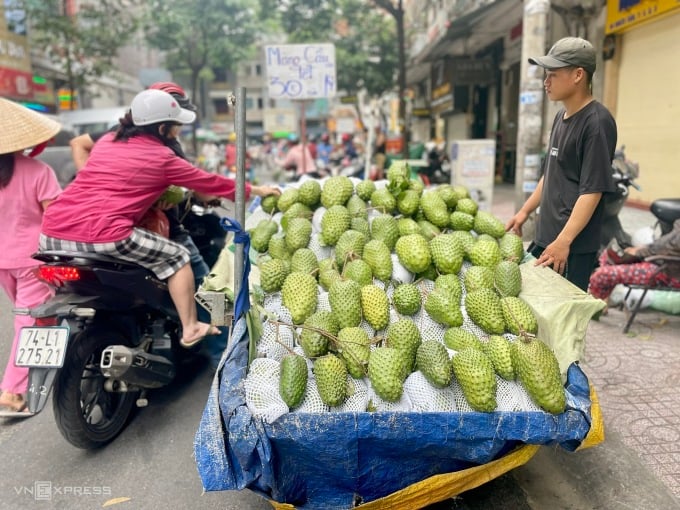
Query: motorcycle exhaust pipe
point(135, 367)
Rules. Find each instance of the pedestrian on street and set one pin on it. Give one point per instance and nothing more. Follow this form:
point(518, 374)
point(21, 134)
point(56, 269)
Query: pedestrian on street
point(576, 169)
point(297, 157)
point(633, 270)
point(27, 186)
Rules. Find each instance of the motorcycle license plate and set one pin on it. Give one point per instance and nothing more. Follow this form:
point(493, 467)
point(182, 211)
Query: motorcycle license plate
point(42, 347)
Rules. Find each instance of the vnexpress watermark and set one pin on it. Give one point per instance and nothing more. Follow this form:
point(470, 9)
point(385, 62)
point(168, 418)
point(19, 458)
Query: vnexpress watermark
point(45, 490)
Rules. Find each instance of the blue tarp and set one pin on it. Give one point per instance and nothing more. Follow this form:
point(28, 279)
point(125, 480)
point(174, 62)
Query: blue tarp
point(334, 460)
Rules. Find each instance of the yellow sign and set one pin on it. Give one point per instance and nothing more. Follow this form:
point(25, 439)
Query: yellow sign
point(624, 14)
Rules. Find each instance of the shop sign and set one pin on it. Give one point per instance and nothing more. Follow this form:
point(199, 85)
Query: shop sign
point(472, 71)
point(624, 14)
point(16, 84)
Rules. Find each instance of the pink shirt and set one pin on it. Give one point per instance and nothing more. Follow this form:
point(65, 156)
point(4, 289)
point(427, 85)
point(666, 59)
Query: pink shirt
point(118, 184)
point(294, 157)
point(32, 183)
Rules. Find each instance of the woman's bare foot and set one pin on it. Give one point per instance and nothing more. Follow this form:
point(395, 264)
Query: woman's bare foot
point(196, 333)
point(12, 401)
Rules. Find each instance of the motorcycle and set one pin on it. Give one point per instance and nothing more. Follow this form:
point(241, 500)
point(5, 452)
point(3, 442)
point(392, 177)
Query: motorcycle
point(109, 335)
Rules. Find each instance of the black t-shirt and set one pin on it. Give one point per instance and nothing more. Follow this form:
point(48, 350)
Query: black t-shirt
point(578, 162)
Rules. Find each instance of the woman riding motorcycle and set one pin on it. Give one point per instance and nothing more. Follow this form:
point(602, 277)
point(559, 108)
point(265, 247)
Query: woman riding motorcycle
point(125, 174)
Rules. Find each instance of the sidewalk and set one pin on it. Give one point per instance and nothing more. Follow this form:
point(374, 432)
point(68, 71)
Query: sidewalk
point(637, 379)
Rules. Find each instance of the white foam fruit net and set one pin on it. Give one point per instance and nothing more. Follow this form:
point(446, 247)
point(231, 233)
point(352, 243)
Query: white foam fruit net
point(262, 382)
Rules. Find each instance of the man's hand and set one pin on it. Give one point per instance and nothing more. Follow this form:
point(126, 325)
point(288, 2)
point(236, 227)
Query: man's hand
point(264, 191)
point(555, 255)
point(515, 223)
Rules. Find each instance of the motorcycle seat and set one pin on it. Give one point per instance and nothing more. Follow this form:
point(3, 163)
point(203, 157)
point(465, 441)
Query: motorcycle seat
point(666, 209)
point(81, 258)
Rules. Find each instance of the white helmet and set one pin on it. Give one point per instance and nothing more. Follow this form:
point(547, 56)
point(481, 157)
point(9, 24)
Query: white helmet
point(152, 106)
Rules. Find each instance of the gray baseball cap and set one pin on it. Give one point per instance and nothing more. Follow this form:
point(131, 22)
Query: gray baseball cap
point(570, 51)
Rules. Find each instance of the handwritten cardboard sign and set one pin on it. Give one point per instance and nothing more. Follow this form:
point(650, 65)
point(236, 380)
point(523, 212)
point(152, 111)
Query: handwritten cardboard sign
point(301, 71)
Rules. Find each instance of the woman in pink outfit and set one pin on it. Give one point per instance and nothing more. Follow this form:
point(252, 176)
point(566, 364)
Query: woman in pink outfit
point(27, 186)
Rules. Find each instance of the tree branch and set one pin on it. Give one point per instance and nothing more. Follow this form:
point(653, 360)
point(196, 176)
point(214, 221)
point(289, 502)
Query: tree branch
point(387, 5)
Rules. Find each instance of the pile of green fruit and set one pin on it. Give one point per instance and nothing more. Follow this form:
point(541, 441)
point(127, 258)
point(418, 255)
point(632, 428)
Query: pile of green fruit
point(393, 256)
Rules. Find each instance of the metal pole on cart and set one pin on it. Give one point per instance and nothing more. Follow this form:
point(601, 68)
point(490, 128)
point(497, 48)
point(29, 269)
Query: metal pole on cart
point(240, 211)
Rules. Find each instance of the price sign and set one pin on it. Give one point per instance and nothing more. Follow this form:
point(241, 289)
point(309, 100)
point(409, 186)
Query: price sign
point(301, 71)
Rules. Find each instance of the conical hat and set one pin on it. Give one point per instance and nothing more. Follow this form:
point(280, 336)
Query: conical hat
point(23, 128)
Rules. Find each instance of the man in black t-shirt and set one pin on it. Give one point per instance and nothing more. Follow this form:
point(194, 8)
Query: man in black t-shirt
point(576, 169)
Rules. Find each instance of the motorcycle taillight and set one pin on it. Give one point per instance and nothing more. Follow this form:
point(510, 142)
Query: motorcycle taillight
point(58, 275)
point(46, 321)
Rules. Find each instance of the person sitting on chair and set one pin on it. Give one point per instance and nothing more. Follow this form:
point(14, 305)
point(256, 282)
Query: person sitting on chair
point(633, 269)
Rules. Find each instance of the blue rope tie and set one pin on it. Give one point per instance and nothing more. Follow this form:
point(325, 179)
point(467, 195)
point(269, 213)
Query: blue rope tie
point(242, 304)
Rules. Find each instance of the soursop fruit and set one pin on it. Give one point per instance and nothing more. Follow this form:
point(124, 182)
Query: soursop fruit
point(443, 308)
point(330, 373)
point(375, 306)
point(460, 191)
point(407, 226)
point(518, 316)
point(432, 360)
point(406, 299)
point(268, 203)
point(398, 176)
point(273, 273)
point(328, 277)
point(487, 223)
point(413, 252)
point(428, 230)
point(377, 255)
point(467, 206)
point(467, 240)
point(478, 277)
point(297, 210)
point(334, 223)
point(316, 330)
point(310, 193)
point(459, 339)
point(511, 247)
point(404, 335)
point(278, 249)
point(345, 299)
point(336, 191)
point(385, 371)
point(365, 189)
point(483, 306)
point(538, 370)
point(299, 295)
point(304, 261)
point(474, 372)
point(499, 351)
point(485, 253)
point(434, 208)
point(353, 348)
point(262, 233)
point(448, 195)
point(417, 186)
point(447, 253)
point(298, 234)
point(461, 221)
point(293, 379)
point(359, 271)
point(361, 225)
point(507, 279)
point(384, 201)
point(385, 228)
point(451, 284)
point(357, 207)
point(408, 202)
point(325, 264)
point(350, 246)
point(287, 198)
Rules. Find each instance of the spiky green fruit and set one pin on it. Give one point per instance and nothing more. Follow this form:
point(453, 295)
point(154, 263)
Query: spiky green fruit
point(315, 332)
point(273, 273)
point(326, 264)
point(483, 306)
point(461, 221)
point(353, 347)
point(262, 233)
point(365, 189)
point(268, 203)
point(328, 278)
point(432, 360)
point(447, 253)
point(398, 176)
point(487, 223)
point(478, 277)
point(304, 261)
point(384, 228)
point(350, 246)
point(460, 339)
point(406, 299)
point(278, 249)
point(507, 278)
point(377, 255)
point(359, 271)
point(310, 193)
point(297, 210)
point(384, 201)
point(404, 335)
point(467, 205)
point(451, 284)
point(444, 308)
point(357, 207)
point(538, 369)
point(330, 373)
point(474, 372)
point(448, 195)
point(361, 225)
point(334, 223)
point(345, 300)
point(298, 234)
point(498, 349)
point(336, 191)
point(375, 306)
point(460, 191)
point(434, 208)
point(407, 226)
point(293, 379)
point(408, 202)
point(413, 252)
point(428, 230)
point(385, 371)
point(466, 239)
point(287, 198)
point(299, 295)
point(518, 316)
point(485, 253)
point(511, 247)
